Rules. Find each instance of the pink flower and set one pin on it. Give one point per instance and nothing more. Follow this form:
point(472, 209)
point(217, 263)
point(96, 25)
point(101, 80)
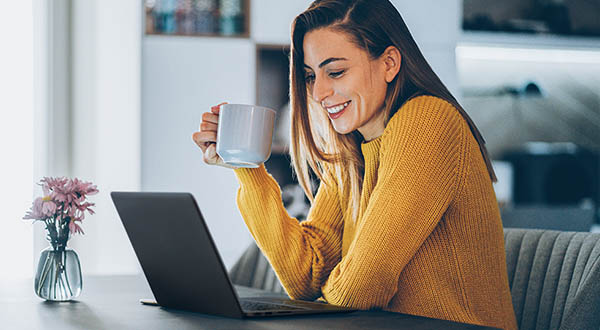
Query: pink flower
point(48, 207)
point(85, 207)
point(42, 208)
point(75, 228)
point(35, 213)
point(83, 188)
point(67, 190)
point(64, 201)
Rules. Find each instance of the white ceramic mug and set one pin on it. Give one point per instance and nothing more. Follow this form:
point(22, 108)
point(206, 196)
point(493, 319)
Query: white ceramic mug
point(245, 134)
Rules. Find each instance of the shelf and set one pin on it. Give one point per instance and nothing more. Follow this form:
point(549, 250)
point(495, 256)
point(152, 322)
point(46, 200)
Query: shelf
point(202, 35)
point(527, 40)
point(197, 18)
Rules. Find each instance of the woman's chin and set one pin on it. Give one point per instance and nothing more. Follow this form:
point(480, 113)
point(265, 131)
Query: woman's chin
point(342, 130)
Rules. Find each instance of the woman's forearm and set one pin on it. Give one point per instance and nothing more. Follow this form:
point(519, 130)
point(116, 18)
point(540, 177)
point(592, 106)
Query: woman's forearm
point(302, 254)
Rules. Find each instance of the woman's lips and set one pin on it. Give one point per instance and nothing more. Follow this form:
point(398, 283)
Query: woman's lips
point(340, 112)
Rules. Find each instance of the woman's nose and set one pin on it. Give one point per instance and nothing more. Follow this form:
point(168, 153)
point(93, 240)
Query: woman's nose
point(321, 90)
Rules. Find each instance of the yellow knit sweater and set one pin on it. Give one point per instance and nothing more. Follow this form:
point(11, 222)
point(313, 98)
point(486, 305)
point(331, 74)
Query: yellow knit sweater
point(428, 239)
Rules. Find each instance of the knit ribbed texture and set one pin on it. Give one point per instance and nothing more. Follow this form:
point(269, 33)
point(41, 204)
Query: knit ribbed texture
point(428, 239)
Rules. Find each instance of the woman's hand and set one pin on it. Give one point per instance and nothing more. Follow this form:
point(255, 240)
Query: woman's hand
point(206, 137)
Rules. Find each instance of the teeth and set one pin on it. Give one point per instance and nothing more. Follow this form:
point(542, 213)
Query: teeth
point(338, 108)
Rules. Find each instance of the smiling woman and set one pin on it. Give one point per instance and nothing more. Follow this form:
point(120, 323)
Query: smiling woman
point(405, 218)
point(352, 82)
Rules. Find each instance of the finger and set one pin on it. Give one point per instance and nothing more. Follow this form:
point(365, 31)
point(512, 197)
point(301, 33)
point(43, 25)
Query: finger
point(217, 108)
point(206, 136)
point(210, 156)
point(202, 145)
point(210, 117)
point(203, 139)
point(208, 126)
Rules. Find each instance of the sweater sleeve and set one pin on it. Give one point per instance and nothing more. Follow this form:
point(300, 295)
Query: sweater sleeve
point(417, 179)
point(301, 254)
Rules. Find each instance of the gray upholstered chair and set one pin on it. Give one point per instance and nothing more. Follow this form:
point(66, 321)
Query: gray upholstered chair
point(554, 277)
point(253, 270)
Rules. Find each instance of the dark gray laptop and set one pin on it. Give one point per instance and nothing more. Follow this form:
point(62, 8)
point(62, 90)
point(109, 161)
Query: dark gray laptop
point(182, 264)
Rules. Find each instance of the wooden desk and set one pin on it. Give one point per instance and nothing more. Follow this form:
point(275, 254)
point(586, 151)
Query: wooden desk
point(111, 302)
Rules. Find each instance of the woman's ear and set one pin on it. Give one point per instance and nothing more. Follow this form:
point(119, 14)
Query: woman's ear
point(392, 61)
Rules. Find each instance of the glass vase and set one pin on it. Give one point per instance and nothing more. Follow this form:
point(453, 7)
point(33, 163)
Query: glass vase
point(58, 276)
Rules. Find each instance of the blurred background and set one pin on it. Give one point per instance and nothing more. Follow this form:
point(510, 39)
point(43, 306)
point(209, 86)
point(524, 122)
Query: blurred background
point(110, 91)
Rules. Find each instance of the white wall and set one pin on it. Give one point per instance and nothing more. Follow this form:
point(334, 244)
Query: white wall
point(435, 26)
point(271, 20)
point(182, 77)
point(106, 127)
point(16, 140)
point(52, 119)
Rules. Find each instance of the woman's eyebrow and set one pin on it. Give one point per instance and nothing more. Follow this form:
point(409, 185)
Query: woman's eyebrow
point(327, 61)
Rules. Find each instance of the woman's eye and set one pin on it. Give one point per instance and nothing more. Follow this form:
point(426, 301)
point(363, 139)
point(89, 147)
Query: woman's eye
point(336, 74)
point(309, 78)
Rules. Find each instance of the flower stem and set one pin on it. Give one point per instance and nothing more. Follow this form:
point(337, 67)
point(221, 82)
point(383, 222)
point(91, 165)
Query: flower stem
point(64, 277)
point(44, 274)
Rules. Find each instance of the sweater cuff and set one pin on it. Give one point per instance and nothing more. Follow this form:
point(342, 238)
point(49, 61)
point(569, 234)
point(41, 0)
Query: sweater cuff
point(252, 177)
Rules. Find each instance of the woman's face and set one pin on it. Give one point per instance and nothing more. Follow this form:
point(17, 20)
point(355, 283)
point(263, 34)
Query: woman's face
point(345, 82)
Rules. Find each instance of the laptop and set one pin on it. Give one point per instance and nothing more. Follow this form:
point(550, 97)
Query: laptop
point(181, 262)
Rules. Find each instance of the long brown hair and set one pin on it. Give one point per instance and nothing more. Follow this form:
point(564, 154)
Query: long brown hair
point(373, 25)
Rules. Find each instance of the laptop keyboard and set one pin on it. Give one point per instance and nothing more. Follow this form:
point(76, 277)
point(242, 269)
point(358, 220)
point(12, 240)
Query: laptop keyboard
point(249, 305)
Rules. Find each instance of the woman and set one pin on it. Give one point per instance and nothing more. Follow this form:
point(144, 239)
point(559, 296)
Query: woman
point(405, 218)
